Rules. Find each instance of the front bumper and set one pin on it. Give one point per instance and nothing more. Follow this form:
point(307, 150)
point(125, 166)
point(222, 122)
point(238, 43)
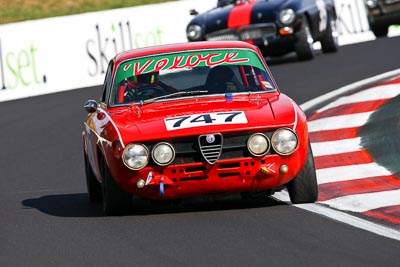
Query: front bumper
point(225, 176)
point(278, 40)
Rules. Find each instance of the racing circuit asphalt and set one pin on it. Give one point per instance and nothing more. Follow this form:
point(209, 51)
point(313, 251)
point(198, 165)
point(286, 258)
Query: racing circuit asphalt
point(46, 219)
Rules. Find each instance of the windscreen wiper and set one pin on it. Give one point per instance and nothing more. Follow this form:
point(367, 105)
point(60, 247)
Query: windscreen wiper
point(180, 93)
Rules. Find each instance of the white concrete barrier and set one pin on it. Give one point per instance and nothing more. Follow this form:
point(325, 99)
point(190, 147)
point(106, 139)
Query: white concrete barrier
point(64, 53)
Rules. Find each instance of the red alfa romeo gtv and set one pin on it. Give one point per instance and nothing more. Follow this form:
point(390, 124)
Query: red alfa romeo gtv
point(191, 119)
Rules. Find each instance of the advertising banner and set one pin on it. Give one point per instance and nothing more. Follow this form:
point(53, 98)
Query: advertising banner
point(63, 53)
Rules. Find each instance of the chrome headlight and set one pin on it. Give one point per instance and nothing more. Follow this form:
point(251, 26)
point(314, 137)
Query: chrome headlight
point(258, 144)
point(135, 156)
point(287, 16)
point(163, 154)
point(193, 32)
point(284, 141)
point(372, 3)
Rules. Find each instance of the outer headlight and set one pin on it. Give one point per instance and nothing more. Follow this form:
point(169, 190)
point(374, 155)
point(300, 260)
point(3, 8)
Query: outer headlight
point(135, 156)
point(371, 3)
point(163, 154)
point(284, 141)
point(258, 144)
point(194, 32)
point(287, 16)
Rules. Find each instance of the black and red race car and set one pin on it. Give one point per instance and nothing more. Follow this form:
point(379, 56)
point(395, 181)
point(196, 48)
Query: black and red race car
point(277, 27)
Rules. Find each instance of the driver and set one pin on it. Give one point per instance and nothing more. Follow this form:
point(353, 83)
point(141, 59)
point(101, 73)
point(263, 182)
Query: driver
point(145, 86)
point(142, 80)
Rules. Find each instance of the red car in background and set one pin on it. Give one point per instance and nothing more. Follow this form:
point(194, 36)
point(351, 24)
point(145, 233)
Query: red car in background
point(190, 119)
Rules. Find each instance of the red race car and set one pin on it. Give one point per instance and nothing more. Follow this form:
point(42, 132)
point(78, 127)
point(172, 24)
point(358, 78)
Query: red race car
point(190, 119)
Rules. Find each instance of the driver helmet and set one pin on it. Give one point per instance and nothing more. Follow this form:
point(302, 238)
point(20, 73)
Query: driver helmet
point(150, 78)
point(147, 78)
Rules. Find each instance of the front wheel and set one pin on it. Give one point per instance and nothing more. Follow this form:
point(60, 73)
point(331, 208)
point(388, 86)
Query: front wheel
point(380, 31)
point(330, 41)
point(115, 201)
point(304, 188)
point(304, 46)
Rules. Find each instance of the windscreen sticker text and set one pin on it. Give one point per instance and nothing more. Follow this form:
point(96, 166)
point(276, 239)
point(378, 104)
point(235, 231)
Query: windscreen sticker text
point(184, 61)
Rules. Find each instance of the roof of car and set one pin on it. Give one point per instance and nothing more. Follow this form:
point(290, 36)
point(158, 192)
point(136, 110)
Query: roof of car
point(170, 48)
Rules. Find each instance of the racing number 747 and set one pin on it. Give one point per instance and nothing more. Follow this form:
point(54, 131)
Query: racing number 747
point(206, 119)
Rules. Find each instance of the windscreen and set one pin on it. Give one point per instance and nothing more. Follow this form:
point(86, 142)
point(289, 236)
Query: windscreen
point(205, 72)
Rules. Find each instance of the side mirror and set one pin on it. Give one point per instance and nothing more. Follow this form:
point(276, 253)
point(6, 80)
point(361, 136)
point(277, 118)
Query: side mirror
point(193, 12)
point(90, 106)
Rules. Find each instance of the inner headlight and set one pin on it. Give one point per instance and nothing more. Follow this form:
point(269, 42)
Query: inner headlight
point(287, 16)
point(163, 154)
point(193, 32)
point(284, 141)
point(258, 144)
point(135, 156)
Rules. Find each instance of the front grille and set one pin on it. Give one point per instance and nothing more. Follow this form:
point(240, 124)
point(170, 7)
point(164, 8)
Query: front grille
point(224, 35)
point(189, 150)
point(210, 147)
point(243, 33)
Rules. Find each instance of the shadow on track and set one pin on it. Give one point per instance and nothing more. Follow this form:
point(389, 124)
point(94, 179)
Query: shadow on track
point(65, 205)
point(77, 205)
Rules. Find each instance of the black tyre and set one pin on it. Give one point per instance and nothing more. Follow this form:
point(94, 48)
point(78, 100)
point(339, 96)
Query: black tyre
point(304, 188)
point(304, 46)
point(329, 42)
point(380, 31)
point(115, 201)
point(93, 186)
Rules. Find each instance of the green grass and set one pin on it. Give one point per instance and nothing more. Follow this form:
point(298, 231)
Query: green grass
point(21, 10)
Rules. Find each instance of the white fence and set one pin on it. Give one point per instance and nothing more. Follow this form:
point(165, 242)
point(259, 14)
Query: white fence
point(64, 53)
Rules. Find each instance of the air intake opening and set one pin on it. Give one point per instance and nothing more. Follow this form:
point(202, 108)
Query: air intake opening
point(229, 165)
point(229, 174)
